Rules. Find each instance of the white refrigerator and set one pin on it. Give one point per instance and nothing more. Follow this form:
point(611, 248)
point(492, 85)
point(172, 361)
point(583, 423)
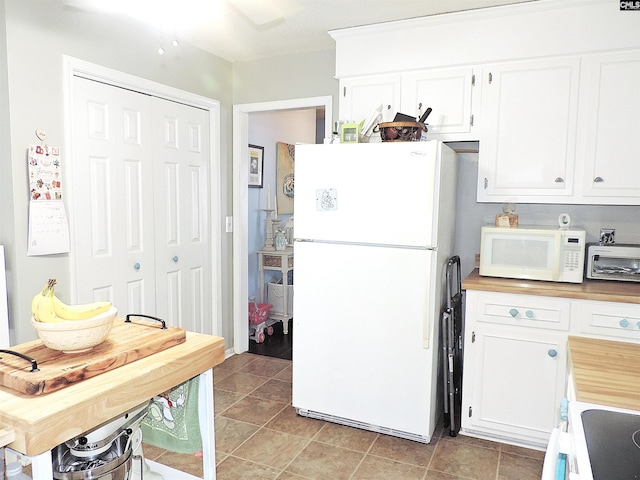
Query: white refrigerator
point(374, 228)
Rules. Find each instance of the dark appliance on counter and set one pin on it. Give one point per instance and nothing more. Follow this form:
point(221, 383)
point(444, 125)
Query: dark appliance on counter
point(613, 262)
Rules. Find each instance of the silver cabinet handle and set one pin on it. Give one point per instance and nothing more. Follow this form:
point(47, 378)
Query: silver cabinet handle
point(624, 323)
point(559, 180)
point(136, 266)
point(175, 259)
point(552, 352)
point(513, 312)
point(598, 180)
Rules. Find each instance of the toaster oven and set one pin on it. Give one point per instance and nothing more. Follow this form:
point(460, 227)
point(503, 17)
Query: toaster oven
point(613, 262)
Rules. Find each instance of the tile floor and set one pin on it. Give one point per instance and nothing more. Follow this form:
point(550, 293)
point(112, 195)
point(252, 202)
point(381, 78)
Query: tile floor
point(260, 437)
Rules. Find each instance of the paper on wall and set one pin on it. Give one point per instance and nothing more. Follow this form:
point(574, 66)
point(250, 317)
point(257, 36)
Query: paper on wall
point(48, 226)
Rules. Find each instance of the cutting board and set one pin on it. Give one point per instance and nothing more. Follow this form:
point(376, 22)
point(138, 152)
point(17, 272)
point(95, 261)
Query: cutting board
point(126, 343)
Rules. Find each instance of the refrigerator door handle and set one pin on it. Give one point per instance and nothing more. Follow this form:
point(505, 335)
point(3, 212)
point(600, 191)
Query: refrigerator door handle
point(365, 244)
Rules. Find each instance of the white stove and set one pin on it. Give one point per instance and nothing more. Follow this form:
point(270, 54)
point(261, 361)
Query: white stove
point(601, 443)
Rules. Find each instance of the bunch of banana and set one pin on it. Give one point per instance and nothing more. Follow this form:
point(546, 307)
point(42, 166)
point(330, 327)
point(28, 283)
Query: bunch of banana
point(46, 307)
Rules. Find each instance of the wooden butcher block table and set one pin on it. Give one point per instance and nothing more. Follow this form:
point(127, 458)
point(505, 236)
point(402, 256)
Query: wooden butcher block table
point(41, 422)
point(606, 372)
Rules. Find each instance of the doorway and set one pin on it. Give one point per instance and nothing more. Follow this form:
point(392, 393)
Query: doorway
point(241, 123)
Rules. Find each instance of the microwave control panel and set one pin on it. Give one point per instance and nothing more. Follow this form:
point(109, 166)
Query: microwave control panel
point(573, 246)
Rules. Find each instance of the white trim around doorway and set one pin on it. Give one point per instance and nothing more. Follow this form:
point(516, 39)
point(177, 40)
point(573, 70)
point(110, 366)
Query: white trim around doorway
point(240, 202)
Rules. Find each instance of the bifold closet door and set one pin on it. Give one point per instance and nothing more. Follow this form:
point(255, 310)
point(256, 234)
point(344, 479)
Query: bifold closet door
point(139, 204)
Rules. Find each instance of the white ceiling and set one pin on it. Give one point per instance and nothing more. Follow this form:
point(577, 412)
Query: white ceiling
point(305, 24)
point(269, 28)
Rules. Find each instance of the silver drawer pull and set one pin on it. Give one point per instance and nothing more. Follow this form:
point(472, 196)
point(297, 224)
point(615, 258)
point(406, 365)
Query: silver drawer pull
point(624, 323)
point(552, 352)
point(513, 312)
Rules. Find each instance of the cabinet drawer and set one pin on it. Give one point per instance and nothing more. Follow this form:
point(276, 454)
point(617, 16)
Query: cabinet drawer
point(524, 310)
point(607, 318)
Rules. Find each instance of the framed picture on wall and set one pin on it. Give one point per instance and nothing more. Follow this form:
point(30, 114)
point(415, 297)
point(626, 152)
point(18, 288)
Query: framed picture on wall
point(256, 165)
point(285, 176)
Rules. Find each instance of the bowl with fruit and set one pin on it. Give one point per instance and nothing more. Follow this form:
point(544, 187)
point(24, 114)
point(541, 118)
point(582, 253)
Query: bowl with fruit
point(70, 328)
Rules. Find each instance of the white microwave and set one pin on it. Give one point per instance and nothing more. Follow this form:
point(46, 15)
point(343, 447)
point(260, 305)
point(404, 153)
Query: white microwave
point(533, 253)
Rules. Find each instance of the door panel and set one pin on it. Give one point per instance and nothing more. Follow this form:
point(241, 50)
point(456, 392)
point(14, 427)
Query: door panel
point(373, 183)
point(111, 220)
point(371, 307)
point(182, 226)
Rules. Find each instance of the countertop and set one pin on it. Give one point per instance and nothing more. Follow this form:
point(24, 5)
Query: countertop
point(606, 372)
point(42, 422)
point(601, 290)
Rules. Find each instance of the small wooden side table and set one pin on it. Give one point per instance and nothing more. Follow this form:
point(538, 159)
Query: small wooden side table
point(282, 261)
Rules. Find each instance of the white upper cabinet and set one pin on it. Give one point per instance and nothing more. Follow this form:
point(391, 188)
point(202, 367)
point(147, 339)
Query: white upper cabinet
point(527, 145)
point(449, 92)
point(558, 118)
point(361, 96)
point(611, 126)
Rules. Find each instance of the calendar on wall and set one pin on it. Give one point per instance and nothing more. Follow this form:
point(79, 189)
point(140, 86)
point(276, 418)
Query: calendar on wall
point(48, 225)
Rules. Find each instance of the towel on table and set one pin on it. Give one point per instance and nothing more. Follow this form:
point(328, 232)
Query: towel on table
point(172, 421)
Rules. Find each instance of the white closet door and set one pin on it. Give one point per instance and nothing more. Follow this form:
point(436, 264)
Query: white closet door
point(112, 201)
point(182, 244)
point(140, 204)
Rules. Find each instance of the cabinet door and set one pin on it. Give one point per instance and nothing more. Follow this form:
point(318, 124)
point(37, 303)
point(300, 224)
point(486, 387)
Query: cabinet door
point(527, 144)
point(612, 117)
point(517, 380)
point(449, 92)
point(360, 97)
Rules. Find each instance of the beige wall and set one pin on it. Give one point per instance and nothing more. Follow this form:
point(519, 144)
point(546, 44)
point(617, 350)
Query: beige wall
point(39, 33)
point(286, 77)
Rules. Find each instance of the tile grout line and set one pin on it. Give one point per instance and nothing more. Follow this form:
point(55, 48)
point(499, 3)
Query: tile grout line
point(365, 455)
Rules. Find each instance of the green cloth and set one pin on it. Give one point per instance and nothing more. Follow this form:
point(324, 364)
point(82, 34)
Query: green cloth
point(172, 421)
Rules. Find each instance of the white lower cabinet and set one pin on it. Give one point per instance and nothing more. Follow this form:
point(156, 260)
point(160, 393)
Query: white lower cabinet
point(516, 361)
point(514, 367)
